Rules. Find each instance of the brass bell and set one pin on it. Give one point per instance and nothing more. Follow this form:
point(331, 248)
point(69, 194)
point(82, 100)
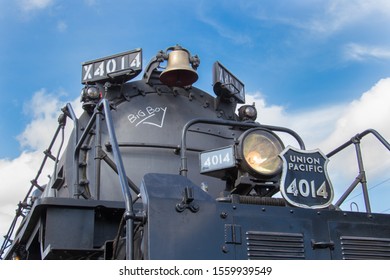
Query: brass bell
point(178, 72)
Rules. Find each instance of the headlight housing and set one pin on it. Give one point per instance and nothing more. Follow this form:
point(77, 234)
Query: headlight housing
point(259, 151)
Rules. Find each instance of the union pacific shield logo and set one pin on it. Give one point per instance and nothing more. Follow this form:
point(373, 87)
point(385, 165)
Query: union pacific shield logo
point(305, 182)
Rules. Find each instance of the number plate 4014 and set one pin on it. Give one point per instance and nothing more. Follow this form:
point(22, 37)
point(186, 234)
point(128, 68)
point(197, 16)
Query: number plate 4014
point(217, 159)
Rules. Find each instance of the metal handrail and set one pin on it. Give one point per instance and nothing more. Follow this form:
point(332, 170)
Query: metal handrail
point(104, 108)
point(76, 153)
point(183, 144)
point(361, 178)
point(95, 122)
point(129, 215)
point(34, 183)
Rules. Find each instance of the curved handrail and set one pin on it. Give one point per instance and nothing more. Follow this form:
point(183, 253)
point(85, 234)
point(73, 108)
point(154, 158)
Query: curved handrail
point(183, 144)
point(358, 137)
point(361, 178)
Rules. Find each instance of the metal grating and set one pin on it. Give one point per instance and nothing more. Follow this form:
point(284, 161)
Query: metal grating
point(365, 248)
point(274, 245)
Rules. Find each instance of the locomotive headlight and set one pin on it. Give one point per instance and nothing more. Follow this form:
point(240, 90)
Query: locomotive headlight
point(259, 150)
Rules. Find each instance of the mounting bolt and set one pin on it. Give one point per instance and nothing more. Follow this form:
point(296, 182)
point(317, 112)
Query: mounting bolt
point(225, 249)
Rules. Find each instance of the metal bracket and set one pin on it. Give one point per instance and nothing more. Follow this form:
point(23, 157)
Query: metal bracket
point(188, 198)
point(322, 244)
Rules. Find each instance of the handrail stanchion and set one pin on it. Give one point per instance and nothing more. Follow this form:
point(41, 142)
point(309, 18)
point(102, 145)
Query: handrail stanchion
point(361, 178)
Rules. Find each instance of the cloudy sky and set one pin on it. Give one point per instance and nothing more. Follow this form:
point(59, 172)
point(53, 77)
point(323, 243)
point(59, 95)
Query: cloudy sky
point(320, 67)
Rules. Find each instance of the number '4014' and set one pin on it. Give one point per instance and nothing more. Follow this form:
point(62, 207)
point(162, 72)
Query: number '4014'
point(305, 188)
point(216, 159)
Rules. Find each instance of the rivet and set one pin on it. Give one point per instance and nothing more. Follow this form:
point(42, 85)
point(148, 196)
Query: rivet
point(225, 249)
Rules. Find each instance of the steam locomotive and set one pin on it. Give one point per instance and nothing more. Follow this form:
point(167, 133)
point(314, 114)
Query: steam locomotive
point(156, 168)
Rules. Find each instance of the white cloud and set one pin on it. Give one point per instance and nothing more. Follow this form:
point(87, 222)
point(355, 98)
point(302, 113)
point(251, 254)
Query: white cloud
point(342, 13)
point(236, 37)
point(328, 128)
point(223, 30)
point(16, 174)
point(33, 5)
point(312, 125)
point(62, 26)
point(339, 14)
point(15, 181)
point(322, 17)
point(360, 52)
point(331, 126)
point(372, 110)
point(43, 109)
point(91, 2)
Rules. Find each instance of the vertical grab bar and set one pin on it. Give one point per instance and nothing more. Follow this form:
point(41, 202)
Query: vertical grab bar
point(129, 214)
point(104, 107)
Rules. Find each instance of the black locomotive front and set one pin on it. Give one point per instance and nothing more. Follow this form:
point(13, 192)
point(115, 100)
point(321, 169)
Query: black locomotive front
point(158, 169)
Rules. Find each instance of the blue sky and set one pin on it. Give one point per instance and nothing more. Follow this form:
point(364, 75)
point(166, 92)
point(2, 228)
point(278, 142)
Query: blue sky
point(299, 54)
point(319, 67)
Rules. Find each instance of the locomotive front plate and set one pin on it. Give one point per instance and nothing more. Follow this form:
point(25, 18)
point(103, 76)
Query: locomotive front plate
point(217, 159)
point(305, 182)
point(123, 66)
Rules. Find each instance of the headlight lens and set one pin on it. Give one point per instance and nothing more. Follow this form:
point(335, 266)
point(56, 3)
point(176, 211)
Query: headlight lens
point(260, 151)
